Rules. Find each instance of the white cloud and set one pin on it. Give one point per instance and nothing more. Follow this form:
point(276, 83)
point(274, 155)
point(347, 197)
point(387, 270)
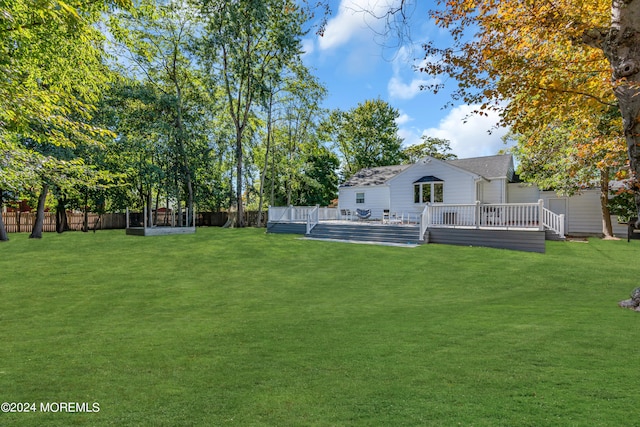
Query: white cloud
point(355, 18)
point(468, 133)
point(400, 90)
point(397, 87)
point(403, 119)
point(308, 46)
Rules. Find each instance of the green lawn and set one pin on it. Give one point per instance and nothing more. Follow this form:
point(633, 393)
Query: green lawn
point(236, 327)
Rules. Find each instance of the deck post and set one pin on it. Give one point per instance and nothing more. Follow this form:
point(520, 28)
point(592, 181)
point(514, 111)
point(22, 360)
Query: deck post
point(477, 215)
point(541, 214)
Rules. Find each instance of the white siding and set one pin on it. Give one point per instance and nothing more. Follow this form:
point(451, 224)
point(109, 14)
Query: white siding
point(492, 191)
point(376, 198)
point(459, 186)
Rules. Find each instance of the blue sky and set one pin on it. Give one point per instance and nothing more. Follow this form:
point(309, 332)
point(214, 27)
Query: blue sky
point(355, 64)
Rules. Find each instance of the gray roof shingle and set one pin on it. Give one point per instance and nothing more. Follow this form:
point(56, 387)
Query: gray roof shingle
point(374, 176)
point(488, 167)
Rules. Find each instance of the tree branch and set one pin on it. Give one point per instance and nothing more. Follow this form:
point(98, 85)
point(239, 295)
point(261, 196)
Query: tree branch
point(577, 92)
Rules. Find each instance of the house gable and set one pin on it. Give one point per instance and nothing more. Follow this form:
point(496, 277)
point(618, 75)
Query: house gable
point(428, 164)
point(451, 183)
point(400, 187)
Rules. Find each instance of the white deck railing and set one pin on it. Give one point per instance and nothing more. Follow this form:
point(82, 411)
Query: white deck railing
point(424, 222)
point(313, 218)
point(498, 216)
point(553, 221)
point(478, 215)
point(301, 213)
point(510, 216)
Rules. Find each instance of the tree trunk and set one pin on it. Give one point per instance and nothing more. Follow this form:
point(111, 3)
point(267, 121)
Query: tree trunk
point(157, 205)
point(607, 228)
point(266, 160)
point(38, 225)
point(621, 46)
point(149, 210)
point(61, 216)
point(85, 216)
point(3, 231)
point(239, 165)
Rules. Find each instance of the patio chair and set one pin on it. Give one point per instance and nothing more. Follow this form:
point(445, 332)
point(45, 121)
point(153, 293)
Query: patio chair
point(363, 213)
point(385, 216)
point(346, 213)
point(394, 218)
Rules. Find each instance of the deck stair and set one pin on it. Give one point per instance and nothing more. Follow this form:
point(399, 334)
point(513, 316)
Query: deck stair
point(552, 235)
point(402, 234)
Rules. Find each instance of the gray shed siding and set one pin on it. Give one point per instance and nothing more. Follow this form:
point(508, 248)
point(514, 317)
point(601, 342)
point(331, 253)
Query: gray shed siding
point(583, 213)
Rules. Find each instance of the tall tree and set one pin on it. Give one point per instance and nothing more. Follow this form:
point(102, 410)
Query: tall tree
point(438, 148)
point(570, 157)
point(155, 39)
point(547, 61)
point(246, 43)
point(51, 61)
point(366, 136)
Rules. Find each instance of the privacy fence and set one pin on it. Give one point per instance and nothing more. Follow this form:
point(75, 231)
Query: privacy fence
point(22, 222)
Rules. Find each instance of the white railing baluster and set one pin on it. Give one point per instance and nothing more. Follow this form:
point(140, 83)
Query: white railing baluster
point(425, 220)
point(313, 217)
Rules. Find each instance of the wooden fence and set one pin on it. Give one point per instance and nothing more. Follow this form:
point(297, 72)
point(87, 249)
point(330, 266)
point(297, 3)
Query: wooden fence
point(22, 222)
point(218, 219)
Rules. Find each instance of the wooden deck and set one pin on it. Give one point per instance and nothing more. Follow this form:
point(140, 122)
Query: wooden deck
point(376, 231)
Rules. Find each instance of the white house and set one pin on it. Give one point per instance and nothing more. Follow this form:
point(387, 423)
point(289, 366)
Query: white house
point(404, 190)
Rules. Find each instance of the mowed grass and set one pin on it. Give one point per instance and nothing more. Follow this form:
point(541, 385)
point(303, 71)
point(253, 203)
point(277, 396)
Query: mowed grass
point(237, 327)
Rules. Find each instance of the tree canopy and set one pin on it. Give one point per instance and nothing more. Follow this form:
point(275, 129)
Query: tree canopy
point(545, 62)
point(366, 136)
point(183, 103)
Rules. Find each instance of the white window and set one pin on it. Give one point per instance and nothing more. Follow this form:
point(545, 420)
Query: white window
point(359, 197)
point(429, 191)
